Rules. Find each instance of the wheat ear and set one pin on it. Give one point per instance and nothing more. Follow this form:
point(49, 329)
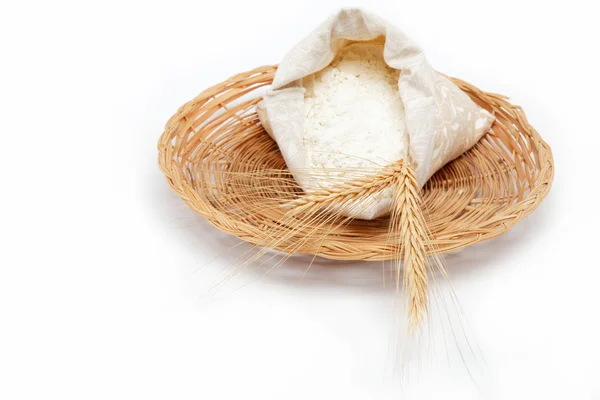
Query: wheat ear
point(345, 192)
point(408, 225)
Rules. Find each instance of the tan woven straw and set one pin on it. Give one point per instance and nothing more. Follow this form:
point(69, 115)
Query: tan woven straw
point(218, 158)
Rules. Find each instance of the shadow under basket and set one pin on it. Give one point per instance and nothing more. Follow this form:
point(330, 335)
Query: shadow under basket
point(218, 158)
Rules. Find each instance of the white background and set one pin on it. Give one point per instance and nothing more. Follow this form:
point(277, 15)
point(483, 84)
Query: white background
point(104, 281)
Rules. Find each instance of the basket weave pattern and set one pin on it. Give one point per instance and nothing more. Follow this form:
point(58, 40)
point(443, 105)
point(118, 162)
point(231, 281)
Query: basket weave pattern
point(217, 157)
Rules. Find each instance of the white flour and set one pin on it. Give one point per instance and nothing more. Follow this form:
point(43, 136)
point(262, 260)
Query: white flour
point(354, 117)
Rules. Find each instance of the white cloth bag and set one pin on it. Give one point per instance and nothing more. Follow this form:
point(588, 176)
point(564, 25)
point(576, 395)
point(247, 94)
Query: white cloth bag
point(442, 121)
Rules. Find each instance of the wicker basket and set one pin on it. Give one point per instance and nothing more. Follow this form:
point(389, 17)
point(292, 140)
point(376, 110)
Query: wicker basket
point(218, 158)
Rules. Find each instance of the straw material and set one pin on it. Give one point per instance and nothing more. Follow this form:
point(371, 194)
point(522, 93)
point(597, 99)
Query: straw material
point(408, 224)
point(217, 157)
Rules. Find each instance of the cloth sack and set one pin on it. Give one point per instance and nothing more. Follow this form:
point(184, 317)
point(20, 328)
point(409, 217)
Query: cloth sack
point(442, 122)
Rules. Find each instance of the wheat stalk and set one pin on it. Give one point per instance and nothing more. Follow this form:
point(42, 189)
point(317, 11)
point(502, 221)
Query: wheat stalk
point(407, 223)
point(346, 192)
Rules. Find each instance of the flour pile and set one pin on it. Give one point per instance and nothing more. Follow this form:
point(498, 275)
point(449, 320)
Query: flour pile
point(354, 116)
